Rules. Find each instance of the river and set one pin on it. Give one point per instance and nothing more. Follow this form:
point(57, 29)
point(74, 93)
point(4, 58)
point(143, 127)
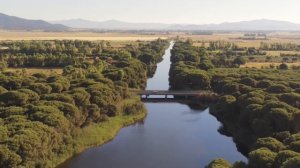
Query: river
point(171, 136)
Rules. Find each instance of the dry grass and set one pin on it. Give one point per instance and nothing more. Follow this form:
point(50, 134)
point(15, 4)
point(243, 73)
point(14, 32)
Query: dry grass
point(8, 35)
point(266, 64)
point(282, 37)
point(214, 37)
point(31, 71)
point(277, 53)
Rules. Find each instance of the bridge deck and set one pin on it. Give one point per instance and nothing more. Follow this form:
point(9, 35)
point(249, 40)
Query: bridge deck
point(171, 96)
point(174, 93)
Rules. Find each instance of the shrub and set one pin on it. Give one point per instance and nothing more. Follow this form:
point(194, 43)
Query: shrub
point(261, 158)
point(270, 143)
point(219, 163)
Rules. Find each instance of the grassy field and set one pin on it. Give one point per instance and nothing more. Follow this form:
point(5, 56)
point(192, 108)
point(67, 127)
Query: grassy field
point(119, 39)
point(31, 71)
point(281, 37)
point(8, 35)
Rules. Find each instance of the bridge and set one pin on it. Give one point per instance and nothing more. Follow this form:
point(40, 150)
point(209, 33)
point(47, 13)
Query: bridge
point(169, 95)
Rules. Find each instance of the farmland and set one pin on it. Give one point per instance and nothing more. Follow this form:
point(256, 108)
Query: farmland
point(91, 36)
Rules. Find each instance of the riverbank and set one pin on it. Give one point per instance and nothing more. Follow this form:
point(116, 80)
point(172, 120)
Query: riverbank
point(98, 134)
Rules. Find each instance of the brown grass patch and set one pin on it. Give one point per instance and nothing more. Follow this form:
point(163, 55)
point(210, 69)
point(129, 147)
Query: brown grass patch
point(91, 36)
point(260, 65)
point(277, 53)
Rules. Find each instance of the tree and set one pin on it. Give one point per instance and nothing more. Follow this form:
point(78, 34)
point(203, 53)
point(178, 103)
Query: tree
point(12, 98)
point(198, 80)
point(2, 90)
point(270, 143)
point(261, 158)
point(292, 163)
point(41, 88)
point(32, 96)
point(3, 66)
point(249, 81)
point(80, 96)
point(280, 118)
point(278, 88)
point(239, 61)
point(9, 158)
point(284, 156)
point(206, 65)
point(283, 66)
point(219, 163)
point(295, 146)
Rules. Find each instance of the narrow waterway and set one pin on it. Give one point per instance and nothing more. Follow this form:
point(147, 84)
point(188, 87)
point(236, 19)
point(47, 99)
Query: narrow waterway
point(171, 136)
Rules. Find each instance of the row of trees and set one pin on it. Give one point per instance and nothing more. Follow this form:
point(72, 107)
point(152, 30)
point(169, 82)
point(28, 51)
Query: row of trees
point(41, 60)
point(55, 47)
point(280, 46)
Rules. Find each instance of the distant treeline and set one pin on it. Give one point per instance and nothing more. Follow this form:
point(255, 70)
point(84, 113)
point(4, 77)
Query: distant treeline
point(67, 52)
point(280, 46)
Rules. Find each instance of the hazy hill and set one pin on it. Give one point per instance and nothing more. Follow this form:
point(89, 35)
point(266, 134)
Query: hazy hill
point(111, 25)
point(15, 23)
point(263, 24)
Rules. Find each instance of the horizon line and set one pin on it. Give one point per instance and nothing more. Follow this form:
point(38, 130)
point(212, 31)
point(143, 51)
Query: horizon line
point(120, 20)
point(135, 22)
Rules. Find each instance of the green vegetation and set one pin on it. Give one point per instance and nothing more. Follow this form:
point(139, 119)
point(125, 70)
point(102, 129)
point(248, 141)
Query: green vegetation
point(45, 119)
point(63, 53)
point(259, 108)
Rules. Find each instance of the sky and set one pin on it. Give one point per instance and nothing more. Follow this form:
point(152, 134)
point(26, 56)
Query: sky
point(155, 11)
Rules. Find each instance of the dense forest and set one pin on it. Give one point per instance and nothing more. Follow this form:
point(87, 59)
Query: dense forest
point(259, 108)
point(45, 119)
point(63, 53)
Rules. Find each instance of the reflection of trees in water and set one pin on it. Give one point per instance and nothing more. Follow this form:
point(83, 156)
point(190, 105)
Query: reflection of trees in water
point(198, 106)
point(141, 122)
point(241, 148)
point(223, 130)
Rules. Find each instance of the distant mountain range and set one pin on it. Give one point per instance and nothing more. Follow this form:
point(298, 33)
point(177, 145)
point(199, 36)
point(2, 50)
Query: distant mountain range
point(111, 25)
point(263, 25)
point(15, 23)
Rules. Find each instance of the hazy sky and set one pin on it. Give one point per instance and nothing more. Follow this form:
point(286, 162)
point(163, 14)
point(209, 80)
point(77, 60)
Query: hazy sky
point(164, 11)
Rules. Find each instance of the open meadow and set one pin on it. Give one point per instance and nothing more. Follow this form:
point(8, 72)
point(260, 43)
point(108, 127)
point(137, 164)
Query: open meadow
point(238, 38)
point(90, 36)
